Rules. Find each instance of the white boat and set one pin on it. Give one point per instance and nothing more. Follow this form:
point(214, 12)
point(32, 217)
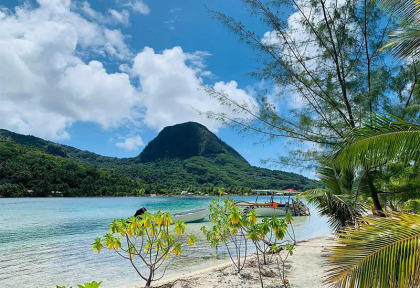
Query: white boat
point(262, 209)
point(273, 208)
point(190, 215)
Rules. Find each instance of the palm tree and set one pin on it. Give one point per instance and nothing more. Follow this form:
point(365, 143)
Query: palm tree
point(381, 252)
point(340, 200)
point(405, 40)
point(379, 140)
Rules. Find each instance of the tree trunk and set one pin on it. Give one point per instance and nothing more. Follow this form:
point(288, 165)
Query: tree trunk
point(149, 280)
point(374, 195)
point(259, 269)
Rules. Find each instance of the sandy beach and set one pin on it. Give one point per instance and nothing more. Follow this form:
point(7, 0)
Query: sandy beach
point(306, 268)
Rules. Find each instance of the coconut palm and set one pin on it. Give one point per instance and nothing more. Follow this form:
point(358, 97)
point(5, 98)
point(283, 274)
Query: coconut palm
point(381, 252)
point(405, 40)
point(340, 200)
point(379, 140)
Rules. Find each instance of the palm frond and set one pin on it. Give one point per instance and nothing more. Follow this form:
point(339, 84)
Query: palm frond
point(341, 210)
point(381, 252)
point(404, 42)
point(379, 140)
point(340, 200)
point(407, 11)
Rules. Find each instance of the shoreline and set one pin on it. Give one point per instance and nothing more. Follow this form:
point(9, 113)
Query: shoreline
point(305, 268)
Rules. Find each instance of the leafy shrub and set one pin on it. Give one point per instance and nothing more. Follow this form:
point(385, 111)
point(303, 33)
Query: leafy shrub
point(93, 284)
point(234, 229)
point(147, 238)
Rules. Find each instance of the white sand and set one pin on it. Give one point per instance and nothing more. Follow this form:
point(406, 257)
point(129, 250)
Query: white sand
point(305, 269)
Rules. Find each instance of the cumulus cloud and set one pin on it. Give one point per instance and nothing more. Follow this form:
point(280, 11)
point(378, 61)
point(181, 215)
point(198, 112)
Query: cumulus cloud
point(131, 143)
point(172, 91)
point(306, 44)
point(45, 86)
point(49, 80)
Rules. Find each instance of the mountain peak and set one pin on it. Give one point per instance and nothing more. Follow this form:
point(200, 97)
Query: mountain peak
point(185, 140)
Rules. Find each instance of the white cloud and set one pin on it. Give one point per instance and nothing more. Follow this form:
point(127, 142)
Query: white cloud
point(137, 6)
point(173, 19)
point(45, 86)
point(172, 91)
point(131, 143)
point(122, 17)
point(306, 46)
point(112, 17)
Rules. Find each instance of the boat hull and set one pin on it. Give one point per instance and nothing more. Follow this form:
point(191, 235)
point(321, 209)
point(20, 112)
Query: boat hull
point(268, 211)
point(190, 216)
point(264, 209)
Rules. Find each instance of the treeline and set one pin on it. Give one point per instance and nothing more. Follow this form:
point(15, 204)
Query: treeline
point(206, 173)
point(29, 171)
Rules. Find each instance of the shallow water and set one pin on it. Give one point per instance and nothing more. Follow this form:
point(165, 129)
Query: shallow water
point(47, 241)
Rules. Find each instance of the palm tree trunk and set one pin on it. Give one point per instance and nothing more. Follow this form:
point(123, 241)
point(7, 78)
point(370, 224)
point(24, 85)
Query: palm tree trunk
point(374, 195)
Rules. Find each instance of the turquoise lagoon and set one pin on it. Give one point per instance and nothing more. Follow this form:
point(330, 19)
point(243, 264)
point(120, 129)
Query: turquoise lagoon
point(47, 241)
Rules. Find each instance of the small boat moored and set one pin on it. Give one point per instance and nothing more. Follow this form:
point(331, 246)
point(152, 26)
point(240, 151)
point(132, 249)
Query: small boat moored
point(189, 216)
point(273, 208)
point(195, 215)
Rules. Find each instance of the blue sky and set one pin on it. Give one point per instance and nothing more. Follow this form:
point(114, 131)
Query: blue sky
point(108, 75)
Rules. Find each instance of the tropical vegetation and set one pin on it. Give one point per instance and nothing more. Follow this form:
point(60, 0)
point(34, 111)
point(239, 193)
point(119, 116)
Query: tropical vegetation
point(379, 252)
point(150, 239)
point(31, 166)
point(236, 231)
point(328, 58)
point(358, 114)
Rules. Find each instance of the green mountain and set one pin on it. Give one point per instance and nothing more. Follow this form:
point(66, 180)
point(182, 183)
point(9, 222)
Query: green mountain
point(182, 157)
point(184, 141)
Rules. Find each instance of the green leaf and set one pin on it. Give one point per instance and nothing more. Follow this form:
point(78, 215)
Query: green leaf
point(379, 140)
point(381, 252)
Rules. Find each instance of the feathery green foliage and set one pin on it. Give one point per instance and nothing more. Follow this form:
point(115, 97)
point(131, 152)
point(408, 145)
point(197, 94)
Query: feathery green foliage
point(379, 140)
point(405, 40)
point(381, 252)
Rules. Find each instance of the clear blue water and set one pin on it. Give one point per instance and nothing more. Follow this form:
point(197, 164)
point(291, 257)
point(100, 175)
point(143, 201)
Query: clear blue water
point(47, 241)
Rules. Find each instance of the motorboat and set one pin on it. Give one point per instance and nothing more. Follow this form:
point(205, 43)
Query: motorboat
point(195, 215)
point(275, 208)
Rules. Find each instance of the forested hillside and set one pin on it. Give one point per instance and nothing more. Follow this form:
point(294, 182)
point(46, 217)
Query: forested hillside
point(201, 163)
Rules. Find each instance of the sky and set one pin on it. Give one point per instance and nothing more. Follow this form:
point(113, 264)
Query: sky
point(107, 75)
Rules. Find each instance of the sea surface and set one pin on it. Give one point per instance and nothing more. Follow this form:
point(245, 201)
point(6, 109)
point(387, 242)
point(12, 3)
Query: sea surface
point(46, 242)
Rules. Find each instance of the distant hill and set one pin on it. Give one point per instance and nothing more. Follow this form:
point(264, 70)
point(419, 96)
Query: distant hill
point(183, 141)
point(182, 157)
